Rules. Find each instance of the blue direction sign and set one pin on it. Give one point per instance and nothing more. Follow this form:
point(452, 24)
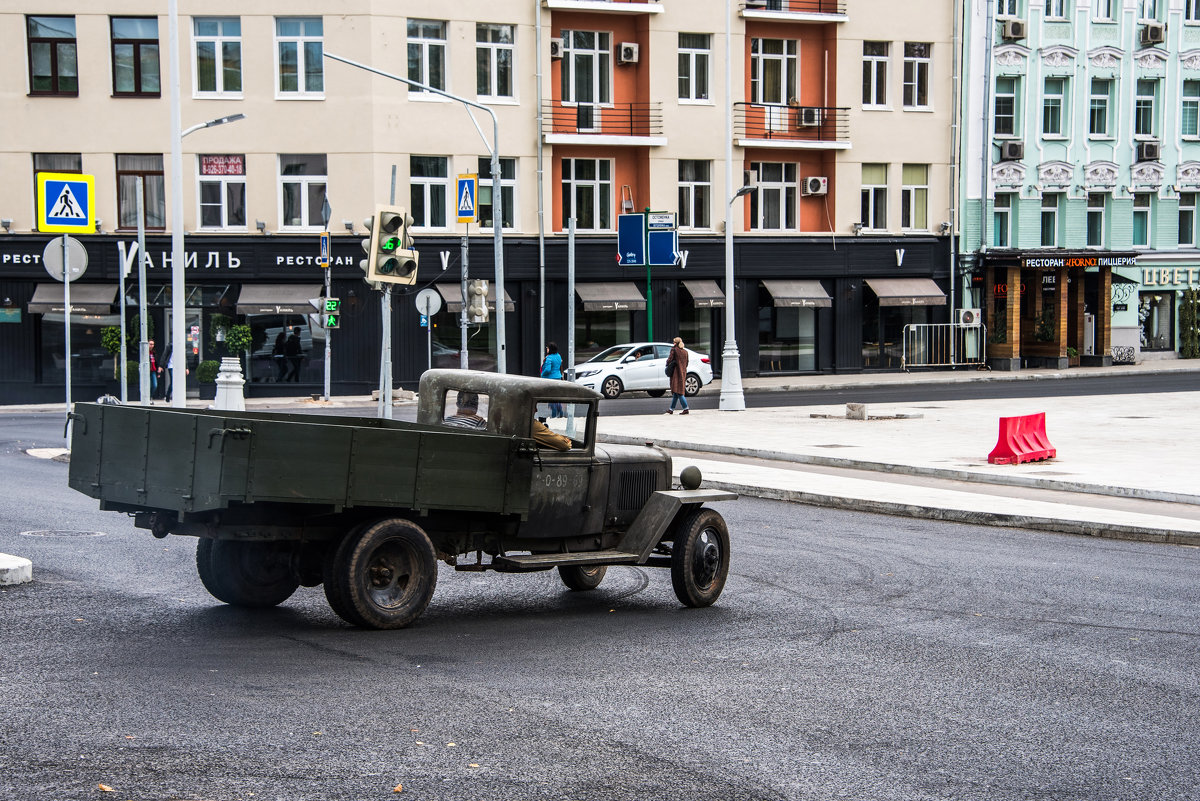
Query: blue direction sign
point(663, 239)
point(66, 203)
point(631, 240)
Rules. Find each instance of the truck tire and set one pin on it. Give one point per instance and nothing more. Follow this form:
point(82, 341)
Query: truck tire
point(699, 557)
point(383, 576)
point(251, 574)
point(582, 578)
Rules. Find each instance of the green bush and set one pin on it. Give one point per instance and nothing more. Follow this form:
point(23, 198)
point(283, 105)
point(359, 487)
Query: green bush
point(1189, 325)
point(132, 373)
point(238, 338)
point(110, 340)
point(206, 371)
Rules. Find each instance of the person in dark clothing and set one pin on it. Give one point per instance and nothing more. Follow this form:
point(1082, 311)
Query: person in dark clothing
point(294, 354)
point(278, 353)
point(678, 361)
point(168, 379)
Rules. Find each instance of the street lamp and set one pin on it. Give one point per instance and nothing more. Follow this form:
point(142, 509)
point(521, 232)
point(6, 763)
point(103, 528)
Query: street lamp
point(178, 328)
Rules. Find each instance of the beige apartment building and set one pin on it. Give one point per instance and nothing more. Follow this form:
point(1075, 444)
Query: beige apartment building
point(604, 107)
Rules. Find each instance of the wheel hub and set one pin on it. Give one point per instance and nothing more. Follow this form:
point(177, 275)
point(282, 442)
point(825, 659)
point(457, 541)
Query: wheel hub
point(707, 559)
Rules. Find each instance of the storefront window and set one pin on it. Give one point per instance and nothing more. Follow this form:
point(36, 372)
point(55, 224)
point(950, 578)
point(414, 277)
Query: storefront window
point(695, 328)
point(1156, 314)
point(787, 337)
point(883, 332)
point(597, 330)
point(446, 342)
point(285, 348)
point(90, 362)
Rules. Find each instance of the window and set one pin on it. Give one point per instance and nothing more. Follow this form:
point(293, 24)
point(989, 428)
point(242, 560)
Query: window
point(1055, 9)
point(55, 162)
point(429, 184)
point(222, 188)
point(217, 42)
point(484, 203)
point(1053, 102)
point(1050, 219)
point(1099, 101)
point(1147, 9)
point(1189, 119)
point(302, 180)
point(693, 66)
point(148, 169)
point(695, 189)
point(774, 67)
point(587, 67)
point(1008, 8)
point(135, 56)
point(587, 194)
point(494, 48)
point(1191, 11)
point(874, 197)
point(916, 74)
point(875, 74)
point(1096, 201)
point(1143, 107)
point(1002, 220)
point(1187, 219)
point(1141, 220)
point(427, 53)
point(298, 42)
point(914, 197)
point(52, 56)
point(773, 206)
point(1006, 107)
point(1102, 10)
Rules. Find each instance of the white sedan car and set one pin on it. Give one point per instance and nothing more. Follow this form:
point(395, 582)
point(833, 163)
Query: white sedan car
point(640, 366)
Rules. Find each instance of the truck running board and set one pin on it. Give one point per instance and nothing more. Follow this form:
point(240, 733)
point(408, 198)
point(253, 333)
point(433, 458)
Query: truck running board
point(542, 561)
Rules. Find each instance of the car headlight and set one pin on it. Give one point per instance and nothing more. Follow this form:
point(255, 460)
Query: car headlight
point(585, 373)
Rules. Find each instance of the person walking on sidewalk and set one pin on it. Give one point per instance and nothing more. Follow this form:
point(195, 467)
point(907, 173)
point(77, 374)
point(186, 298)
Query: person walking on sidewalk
point(552, 368)
point(677, 364)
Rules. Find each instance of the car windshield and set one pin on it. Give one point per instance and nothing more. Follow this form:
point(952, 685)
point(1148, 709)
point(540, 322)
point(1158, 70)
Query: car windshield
point(610, 355)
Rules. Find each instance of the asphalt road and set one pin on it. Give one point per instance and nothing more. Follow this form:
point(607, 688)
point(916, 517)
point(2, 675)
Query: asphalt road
point(852, 656)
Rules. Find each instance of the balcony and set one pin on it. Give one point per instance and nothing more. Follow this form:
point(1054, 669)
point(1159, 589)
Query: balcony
point(795, 10)
point(634, 124)
point(803, 127)
point(606, 6)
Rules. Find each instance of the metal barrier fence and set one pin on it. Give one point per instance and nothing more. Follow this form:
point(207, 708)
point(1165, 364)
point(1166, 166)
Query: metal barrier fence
point(944, 345)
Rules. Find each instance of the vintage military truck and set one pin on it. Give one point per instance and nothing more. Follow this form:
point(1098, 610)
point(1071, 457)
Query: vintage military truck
point(367, 506)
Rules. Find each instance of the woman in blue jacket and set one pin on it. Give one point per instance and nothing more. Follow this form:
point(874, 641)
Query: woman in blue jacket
point(552, 368)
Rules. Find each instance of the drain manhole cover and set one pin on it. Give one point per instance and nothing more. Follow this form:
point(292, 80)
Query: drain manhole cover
point(62, 533)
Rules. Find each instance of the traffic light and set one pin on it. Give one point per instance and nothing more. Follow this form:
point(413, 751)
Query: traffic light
point(477, 309)
point(390, 255)
point(331, 317)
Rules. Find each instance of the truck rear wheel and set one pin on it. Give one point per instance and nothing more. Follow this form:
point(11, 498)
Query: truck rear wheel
point(252, 574)
point(382, 576)
point(582, 577)
point(700, 557)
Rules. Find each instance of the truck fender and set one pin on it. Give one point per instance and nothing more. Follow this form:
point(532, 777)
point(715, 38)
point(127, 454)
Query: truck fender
point(659, 513)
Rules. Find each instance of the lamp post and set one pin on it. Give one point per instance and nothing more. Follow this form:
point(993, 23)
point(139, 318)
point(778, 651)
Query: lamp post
point(178, 328)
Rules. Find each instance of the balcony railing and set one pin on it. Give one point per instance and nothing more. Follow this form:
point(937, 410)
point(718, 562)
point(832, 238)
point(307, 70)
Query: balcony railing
point(823, 7)
point(813, 126)
point(606, 6)
point(610, 119)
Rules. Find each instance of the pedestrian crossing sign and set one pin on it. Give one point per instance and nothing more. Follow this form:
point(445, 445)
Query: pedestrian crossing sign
point(467, 184)
point(66, 203)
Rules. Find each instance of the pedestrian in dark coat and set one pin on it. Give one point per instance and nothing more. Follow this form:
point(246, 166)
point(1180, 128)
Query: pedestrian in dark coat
point(678, 362)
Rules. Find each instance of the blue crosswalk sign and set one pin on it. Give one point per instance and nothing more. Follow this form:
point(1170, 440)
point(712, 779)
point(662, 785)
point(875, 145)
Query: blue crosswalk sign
point(467, 185)
point(66, 203)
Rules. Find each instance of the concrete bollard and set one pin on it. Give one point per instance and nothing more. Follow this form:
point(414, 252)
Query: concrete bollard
point(229, 386)
point(856, 411)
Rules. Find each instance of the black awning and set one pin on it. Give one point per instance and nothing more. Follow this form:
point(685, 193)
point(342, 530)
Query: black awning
point(795, 292)
point(278, 298)
point(85, 299)
point(907, 291)
point(705, 293)
point(614, 296)
point(452, 295)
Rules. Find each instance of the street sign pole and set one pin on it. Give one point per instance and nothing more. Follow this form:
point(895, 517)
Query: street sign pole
point(143, 319)
point(66, 258)
point(649, 294)
point(325, 263)
point(462, 315)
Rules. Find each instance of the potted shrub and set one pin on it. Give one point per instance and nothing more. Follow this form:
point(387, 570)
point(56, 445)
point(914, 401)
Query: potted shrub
point(1072, 356)
point(238, 339)
point(110, 340)
point(206, 375)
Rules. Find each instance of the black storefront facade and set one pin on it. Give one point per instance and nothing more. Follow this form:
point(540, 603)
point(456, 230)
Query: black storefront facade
point(804, 305)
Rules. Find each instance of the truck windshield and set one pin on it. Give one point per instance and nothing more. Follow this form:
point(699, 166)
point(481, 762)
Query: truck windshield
point(568, 419)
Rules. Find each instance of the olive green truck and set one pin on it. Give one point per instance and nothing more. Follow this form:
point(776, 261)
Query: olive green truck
point(498, 473)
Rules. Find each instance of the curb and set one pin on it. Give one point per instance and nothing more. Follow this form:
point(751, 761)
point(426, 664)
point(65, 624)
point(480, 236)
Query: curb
point(1079, 527)
point(15, 570)
point(1028, 482)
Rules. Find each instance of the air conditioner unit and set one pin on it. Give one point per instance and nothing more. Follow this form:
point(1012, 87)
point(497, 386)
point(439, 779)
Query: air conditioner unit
point(627, 53)
point(1153, 33)
point(970, 317)
point(808, 117)
point(1014, 29)
point(1012, 151)
point(815, 185)
point(556, 48)
point(1149, 151)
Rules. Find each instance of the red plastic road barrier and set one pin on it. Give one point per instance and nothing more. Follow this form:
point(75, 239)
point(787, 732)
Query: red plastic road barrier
point(1022, 439)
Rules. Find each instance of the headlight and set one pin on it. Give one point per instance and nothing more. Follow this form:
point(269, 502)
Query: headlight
point(585, 373)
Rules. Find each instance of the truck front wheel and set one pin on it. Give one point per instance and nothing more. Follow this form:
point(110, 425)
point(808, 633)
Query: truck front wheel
point(700, 557)
point(582, 577)
point(384, 575)
point(253, 574)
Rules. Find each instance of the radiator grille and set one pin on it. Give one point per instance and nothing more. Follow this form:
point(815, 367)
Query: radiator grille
point(635, 489)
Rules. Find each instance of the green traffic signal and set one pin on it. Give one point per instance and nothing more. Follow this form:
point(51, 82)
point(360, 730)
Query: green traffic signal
point(331, 321)
point(389, 244)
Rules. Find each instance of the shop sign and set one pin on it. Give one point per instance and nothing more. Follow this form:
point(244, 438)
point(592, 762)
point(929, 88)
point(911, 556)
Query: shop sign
point(1170, 276)
point(1001, 290)
point(10, 315)
point(1055, 262)
point(1120, 307)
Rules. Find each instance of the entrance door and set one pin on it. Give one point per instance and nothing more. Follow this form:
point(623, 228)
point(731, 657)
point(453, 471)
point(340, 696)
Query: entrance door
point(773, 78)
point(193, 330)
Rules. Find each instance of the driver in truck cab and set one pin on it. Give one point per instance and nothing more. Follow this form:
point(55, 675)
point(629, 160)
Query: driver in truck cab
point(467, 413)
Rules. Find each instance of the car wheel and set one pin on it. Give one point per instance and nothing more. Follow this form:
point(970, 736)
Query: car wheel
point(699, 557)
point(692, 384)
point(251, 574)
point(656, 393)
point(611, 388)
point(384, 575)
point(581, 578)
